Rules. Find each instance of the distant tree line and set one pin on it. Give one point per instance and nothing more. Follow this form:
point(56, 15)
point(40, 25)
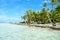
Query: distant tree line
point(45, 15)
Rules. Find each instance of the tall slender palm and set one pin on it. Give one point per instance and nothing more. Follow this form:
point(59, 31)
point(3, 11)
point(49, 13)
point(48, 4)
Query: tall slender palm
point(44, 12)
point(53, 2)
point(45, 6)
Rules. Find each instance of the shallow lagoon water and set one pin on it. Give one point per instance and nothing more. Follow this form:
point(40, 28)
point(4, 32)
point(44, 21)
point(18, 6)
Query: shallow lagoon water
point(20, 32)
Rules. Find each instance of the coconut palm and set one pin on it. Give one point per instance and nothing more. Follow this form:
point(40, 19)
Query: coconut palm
point(28, 13)
point(53, 2)
point(57, 10)
point(47, 14)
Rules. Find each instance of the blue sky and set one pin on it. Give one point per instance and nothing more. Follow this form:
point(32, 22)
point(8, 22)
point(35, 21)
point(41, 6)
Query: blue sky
point(12, 10)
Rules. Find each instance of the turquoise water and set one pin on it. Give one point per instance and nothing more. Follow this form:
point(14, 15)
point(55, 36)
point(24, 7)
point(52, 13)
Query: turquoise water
point(19, 32)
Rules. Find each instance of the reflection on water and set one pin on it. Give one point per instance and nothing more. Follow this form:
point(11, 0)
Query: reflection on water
point(15, 32)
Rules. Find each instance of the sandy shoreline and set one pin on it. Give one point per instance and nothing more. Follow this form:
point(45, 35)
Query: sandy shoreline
point(43, 25)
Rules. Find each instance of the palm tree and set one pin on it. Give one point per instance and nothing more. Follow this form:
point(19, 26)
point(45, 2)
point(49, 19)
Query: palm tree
point(24, 18)
point(53, 2)
point(57, 10)
point(45, 6)
point(43, 13)
point(28, 13)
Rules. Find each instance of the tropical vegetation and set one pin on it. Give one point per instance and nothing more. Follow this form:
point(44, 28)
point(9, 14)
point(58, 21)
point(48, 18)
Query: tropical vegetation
point(46, 15)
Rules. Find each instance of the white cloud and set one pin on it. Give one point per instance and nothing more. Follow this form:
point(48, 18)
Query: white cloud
point(9, 19)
